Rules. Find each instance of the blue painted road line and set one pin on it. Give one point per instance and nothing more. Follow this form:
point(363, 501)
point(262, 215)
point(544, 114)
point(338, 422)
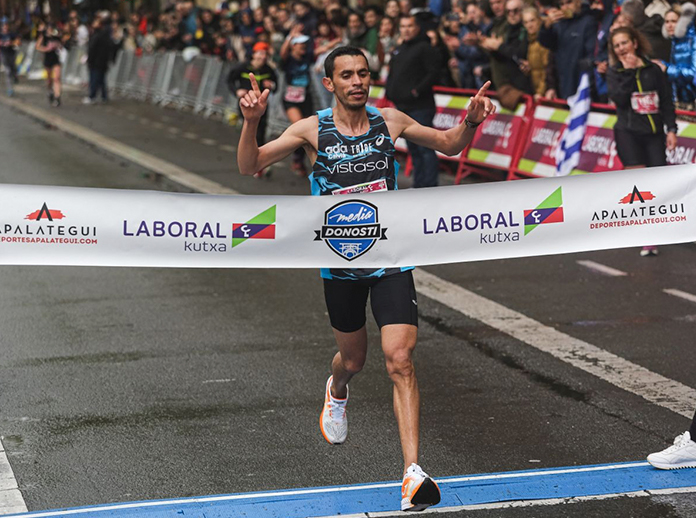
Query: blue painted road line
point(547, 484)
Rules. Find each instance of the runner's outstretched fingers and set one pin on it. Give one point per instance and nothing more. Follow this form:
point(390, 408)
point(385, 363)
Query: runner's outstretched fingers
point(480, 106)
point(254, 103)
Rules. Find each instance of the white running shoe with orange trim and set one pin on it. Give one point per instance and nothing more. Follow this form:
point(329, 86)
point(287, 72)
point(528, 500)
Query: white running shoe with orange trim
point(333, 421)
point(418, 490)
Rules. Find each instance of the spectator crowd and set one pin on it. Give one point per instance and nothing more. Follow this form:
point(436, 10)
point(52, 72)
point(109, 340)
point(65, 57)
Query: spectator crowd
point(537, 47)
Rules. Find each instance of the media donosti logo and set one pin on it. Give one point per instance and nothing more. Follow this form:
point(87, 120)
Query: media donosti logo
point(351, 228)
point(46, 226)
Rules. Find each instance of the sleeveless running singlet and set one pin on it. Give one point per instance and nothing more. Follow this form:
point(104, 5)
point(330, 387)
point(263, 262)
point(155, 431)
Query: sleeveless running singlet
point(344, 162)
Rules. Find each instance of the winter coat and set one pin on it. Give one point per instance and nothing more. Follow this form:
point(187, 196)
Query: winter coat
point(573, 43)
point(647, 79)
point(100, 50)
point(406, 89)
point(470, 56)
point(681, 68)
point(539, 58)
point(510, 53)
point(651, 28)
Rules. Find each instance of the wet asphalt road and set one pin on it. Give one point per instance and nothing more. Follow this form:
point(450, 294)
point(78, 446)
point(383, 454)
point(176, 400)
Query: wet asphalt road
point(136, 384)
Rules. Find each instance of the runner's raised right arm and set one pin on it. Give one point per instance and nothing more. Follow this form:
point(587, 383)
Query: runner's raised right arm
point(251, 158)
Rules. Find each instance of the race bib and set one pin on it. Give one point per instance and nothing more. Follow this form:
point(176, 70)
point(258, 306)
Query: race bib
point(645, 103)
point(377, 185)
point(295, 94)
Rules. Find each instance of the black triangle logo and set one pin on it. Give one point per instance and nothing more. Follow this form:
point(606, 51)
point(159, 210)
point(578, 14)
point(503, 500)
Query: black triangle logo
point(636, 194)
point(44, 212)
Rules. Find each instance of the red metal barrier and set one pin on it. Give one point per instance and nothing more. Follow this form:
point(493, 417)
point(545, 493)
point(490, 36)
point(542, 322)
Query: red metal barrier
point(523, 143)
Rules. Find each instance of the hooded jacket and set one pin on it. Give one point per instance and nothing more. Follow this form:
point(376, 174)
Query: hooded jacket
point(681, 68)
point(623, 83)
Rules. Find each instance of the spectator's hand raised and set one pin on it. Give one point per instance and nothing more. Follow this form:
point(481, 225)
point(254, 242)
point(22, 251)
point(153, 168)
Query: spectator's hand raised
point(660, 64)
point(553, 16)
point(491, 43)
point(254, 103)
point(480, 106)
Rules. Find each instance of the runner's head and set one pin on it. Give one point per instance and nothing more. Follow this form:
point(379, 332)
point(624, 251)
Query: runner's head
point(347, 77)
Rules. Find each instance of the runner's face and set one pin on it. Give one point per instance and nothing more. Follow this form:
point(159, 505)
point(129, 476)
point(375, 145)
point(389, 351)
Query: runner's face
point(351, 81)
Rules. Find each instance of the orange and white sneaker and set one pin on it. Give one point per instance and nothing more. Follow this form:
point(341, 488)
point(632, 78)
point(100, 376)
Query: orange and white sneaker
point(333, 420)
point(418, 490)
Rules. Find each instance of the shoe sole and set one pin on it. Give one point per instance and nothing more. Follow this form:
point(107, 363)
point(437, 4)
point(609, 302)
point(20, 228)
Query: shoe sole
point(672, 466)
point(427, 494)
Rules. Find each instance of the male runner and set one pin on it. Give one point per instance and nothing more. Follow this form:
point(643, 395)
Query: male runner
point(327, 137)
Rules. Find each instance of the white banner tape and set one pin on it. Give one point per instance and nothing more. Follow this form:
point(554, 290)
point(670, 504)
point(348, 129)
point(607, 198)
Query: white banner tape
point(100, 227)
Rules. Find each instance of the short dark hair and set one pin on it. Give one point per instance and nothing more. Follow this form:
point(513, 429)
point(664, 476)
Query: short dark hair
point(337, 53)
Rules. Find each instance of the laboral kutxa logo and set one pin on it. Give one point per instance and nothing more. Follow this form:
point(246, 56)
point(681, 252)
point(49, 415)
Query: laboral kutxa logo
point(500, 226)
point(638, 207)
point(205, 236)
point(548, 211)
point(351, 228)
point(45, 226)
point(261, 226)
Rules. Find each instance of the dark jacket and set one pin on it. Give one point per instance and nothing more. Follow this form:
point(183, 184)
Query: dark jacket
point(651, 28)
point(239, 77)
point(100, 50)
point(414, 66)
point(510, 53)
point(573, 43)
point(623, 83)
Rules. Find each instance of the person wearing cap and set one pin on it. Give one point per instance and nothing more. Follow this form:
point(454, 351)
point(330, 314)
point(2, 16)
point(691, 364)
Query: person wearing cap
point(239, 84)
point(297, 59)
point(8, 42)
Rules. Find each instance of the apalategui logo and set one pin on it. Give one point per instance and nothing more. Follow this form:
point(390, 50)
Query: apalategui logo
point(46, 226)
point(639, 207)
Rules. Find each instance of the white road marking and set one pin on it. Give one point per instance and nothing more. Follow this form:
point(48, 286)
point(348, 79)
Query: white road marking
point(681, 294)
point(171, 171)
point(229, 148)
point(190, 135)
point(601, 268)
point(157, 125)
point(217, 381)
point(209, 142)
point(11, 499)
point(607, 366)
point(144, 120)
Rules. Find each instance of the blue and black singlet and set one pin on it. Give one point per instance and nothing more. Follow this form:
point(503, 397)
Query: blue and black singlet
point(344, 161)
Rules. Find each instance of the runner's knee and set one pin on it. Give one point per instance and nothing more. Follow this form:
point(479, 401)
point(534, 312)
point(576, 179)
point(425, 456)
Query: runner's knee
point(400, 364)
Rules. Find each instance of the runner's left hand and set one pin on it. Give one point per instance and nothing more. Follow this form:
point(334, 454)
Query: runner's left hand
point(480, 106)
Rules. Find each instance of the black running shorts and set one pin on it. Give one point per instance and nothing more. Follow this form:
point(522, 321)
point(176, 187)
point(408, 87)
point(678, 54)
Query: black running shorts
point(392, 297)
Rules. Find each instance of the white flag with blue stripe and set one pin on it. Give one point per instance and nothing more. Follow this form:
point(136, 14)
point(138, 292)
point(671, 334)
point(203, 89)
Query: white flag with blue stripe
point(568, 150)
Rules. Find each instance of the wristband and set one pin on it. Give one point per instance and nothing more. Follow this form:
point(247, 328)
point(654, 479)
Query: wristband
point(470, 124)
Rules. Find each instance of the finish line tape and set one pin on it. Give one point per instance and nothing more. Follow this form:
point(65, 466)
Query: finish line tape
point(105, 227)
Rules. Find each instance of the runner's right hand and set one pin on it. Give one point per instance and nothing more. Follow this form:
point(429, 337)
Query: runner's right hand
point(254, 103)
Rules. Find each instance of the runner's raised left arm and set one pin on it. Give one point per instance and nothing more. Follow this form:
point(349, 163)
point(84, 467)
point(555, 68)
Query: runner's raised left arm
point(450, 142)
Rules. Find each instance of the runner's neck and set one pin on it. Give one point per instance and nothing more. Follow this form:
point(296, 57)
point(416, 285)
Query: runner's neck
point(351, 123)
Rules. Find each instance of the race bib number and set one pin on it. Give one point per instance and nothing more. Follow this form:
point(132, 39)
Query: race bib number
point(295, 94)
point(645, 103)
point(377, 185)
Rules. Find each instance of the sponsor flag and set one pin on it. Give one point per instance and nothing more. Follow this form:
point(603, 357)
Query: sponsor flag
point(568, 151)
point(548, 211)
point(261, 226)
